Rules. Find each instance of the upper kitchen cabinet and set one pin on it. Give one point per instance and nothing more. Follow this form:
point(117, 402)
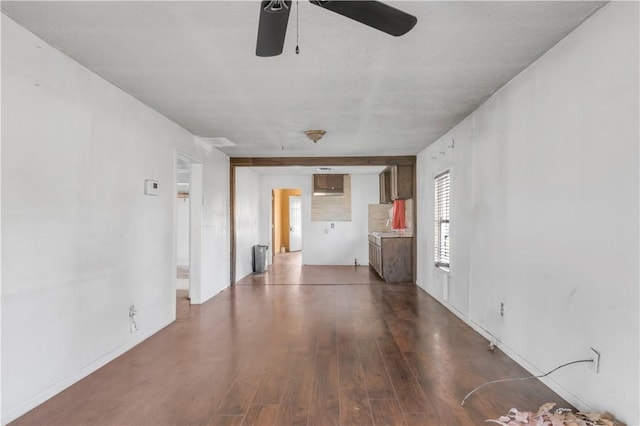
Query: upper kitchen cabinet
point(328, 184)
point(385, 186)
point(401, 182)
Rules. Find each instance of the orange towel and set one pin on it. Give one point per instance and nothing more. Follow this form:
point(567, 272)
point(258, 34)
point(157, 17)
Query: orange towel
point(398, 215)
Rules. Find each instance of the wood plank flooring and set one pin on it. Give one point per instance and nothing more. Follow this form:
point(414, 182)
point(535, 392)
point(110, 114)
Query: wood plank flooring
point(346, 350)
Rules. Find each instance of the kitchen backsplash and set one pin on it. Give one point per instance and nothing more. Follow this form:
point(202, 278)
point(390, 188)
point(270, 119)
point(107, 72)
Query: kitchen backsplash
point(408, 214)
point(379, 215)
point(332, 208)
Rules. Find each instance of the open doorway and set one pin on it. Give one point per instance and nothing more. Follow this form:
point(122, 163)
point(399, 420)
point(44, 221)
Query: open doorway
point(188, 228)
point(183, 214)
point(286, 223)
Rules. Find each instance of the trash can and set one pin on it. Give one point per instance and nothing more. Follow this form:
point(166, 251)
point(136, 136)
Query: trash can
point(260, 259)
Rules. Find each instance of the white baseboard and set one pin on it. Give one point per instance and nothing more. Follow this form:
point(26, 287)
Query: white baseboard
point(39, 398)
point(523, 362)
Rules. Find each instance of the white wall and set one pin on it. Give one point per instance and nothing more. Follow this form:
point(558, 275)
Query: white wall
point(81, 241)
point(545, 214)
point(216, 232)
point(247, 211)
point(322, 245)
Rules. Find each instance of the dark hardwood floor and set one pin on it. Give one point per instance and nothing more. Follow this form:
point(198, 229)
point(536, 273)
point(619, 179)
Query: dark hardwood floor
point(346, 350)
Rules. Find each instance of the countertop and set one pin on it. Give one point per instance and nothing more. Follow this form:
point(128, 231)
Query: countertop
point(390, 234)
point(376, 237)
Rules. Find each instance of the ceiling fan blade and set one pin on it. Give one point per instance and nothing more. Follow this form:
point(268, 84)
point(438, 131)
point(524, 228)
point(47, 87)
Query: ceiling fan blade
point(372, 13)
point(274, 16)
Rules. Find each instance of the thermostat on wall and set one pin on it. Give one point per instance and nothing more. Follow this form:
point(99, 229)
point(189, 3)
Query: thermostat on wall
point(151, 187)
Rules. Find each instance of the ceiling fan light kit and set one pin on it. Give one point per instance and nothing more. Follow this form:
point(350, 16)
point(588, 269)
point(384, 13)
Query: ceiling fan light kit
point(315, 135)
point(274, 16)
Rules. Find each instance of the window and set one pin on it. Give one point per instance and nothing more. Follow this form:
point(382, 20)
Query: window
point(443, 209)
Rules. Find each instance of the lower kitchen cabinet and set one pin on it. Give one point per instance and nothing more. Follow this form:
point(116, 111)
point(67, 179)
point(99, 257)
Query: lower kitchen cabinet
point(390, 257)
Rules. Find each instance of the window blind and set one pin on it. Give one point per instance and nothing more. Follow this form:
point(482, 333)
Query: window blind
point(442, 216)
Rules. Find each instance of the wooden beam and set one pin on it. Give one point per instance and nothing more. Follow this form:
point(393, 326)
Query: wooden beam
point(321, 161)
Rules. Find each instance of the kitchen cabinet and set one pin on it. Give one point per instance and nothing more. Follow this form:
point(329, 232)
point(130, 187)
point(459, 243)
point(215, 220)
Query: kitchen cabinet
point(401, 182)
point(328, 184)
point(385, 186)
point(390, 257)
point(375, 257)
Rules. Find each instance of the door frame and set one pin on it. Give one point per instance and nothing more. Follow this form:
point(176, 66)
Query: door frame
point(195, 226)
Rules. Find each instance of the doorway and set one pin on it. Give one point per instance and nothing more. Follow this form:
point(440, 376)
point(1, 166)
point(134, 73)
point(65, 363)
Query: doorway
point(286, 215)
point(188, 229)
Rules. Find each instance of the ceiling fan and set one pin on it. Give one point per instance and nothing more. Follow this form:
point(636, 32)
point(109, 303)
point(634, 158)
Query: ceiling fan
point(274, 15)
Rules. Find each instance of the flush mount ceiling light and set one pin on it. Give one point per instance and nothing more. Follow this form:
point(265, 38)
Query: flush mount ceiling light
point(314, 135)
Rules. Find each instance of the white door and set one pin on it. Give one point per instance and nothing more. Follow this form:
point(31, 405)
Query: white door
point(295, 220)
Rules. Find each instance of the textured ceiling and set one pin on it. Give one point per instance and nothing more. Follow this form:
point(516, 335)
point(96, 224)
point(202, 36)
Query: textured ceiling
point(374, 94)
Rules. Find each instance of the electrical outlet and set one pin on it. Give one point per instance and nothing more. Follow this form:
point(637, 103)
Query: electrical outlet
point(595, 355)
point(501, 309)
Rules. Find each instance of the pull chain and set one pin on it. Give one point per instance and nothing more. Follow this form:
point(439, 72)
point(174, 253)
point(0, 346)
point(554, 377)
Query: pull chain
point(297, 31)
